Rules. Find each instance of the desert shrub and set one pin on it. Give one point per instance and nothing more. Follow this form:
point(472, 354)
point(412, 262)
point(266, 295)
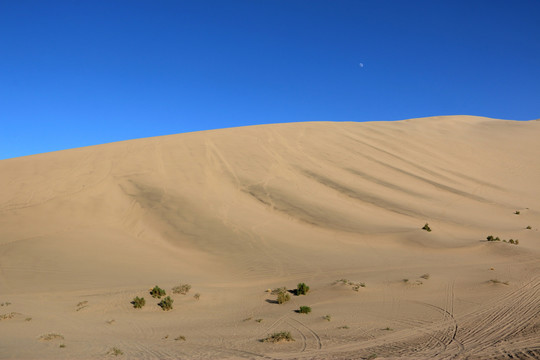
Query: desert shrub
point(279, 290)
point(426, 227)
point(304, 310)
point(62, 346)
point(283, 297)
point(517, 212)
point(425, 276)
point(528, 227)
point(181, 289)
point(258, 320)
point(157, 292)
point(138, 302)
point(327, 317)
point(197, 296)
point(181, 337)
point(278, 337)
point(491, 238)
point(302, 289)
point(115, 351)
point(166, 303)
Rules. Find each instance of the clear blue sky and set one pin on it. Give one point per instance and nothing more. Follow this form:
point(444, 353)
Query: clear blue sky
point(77, 73)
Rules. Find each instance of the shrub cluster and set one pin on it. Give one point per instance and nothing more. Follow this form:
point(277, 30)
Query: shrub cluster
point(181, 289)
point(278, 337)
point(511, 241)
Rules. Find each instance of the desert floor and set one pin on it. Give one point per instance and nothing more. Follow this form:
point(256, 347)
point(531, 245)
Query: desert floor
point(236, 212)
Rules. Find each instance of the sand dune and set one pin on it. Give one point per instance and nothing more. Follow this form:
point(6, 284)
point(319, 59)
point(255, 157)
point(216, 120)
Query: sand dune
point(234, 212)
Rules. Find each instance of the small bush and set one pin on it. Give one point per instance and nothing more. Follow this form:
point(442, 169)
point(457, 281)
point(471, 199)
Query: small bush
point(277, 291)
point(425, 276)
point(283, 297)
point(491, 238)
point(138, 302)
point(166, 303)
point(181, 289)
point(278, 337)
point(327, 317)
point(62, 346)
point(157, 292)
point(427, 228)
point(517, 212)
point(115, 351)
point(258, 320)
point(197, 296)
point(304, 310)
point(528, 227)
point(302, 289)
point(181, 337)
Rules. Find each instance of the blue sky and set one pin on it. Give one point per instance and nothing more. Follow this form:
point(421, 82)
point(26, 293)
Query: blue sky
point(79, 73)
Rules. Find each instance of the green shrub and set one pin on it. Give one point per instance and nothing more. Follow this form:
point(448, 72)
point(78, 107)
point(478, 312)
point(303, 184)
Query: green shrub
point(302, 289)
point(138, 302)
point(197, 296)
point(327, 317)
point(528, 227)
point(166, 303)
point(517, 212)
point(427, 228)
point(278, 337)
point(283, 297)
point(181, 289)
point(157, 292)
point(304, 310)
point(491, 238)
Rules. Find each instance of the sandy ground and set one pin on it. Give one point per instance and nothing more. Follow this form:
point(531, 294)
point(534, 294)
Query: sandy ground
point(235, 212)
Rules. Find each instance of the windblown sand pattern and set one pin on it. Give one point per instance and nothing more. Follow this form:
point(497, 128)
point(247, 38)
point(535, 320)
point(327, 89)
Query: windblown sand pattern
point(235, 212)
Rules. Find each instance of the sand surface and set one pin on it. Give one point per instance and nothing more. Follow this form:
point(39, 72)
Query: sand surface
point(235, 212)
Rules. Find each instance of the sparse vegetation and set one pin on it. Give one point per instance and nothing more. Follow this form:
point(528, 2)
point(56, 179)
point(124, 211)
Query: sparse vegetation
point(388, 328)
point(7, 303)
point(517, 212)
point(528, 227)
point(8, 316)
point(354, 285)
point(282, 295)
point(51, 336)
point(327, 317)
point(304, 310)
point(343, 327)
point(138, 302)
point(511, 241)
point(62, 346)
point(277, 337)
point(258, 320)
point(157, 292)
point(82, 305)
point(372, 356)
point(197, 296)
point(166, 303)
point(110, 322)
point(181, 289)
point(425, 276)
point(28, 319)
point(181, 337)
point(497, 281)
point(115, 351)
point(302, 289)
point(426, 227)
point(405, 281)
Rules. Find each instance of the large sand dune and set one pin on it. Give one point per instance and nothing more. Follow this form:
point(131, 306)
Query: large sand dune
point(234, 212)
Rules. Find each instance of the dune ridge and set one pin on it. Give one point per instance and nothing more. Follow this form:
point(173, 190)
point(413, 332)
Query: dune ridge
point(236, 211)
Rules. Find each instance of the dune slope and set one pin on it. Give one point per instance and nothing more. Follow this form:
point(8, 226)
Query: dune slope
point(236, 211)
